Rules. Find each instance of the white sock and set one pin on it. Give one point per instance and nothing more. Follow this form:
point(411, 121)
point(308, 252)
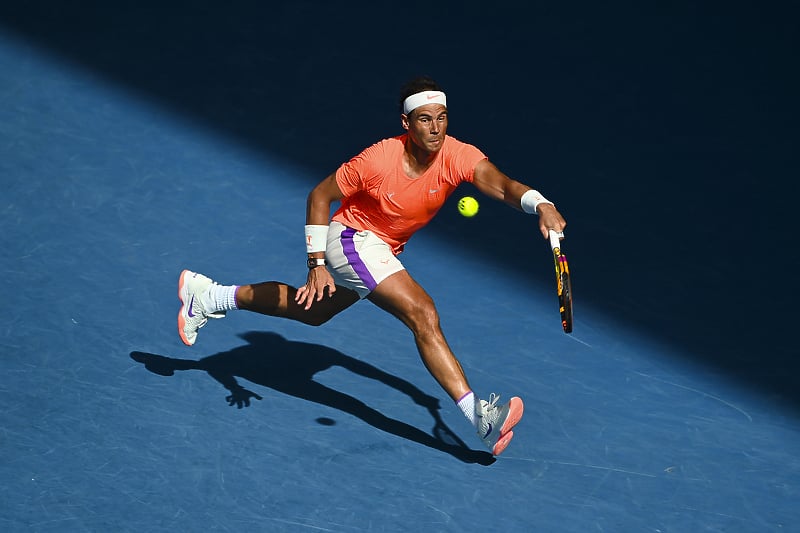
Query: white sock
point(220, 298)
point(467, 406)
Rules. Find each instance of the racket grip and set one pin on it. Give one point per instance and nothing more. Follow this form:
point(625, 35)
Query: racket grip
point(555, 238)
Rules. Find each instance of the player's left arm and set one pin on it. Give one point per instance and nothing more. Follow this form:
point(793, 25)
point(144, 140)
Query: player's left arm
point(489, 180)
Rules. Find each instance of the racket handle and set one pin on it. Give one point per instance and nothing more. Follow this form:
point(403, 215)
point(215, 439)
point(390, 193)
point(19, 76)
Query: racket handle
point(555, 238)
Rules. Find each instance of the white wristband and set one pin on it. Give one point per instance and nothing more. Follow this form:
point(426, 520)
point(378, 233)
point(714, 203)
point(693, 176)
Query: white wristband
point(316, 238)
point(531, 200)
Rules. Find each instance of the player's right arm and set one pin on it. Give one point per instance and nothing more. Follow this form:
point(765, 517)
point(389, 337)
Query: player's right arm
point(318, 209)
point(318, 205)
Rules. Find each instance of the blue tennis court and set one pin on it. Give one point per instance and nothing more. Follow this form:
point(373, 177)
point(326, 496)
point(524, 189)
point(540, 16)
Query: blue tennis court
point(138, 140)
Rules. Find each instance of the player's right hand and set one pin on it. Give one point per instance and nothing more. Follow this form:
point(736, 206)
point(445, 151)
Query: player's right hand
point(314, 290)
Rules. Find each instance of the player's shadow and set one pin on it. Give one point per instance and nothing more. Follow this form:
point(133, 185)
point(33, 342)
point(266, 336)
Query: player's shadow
point(270, 360)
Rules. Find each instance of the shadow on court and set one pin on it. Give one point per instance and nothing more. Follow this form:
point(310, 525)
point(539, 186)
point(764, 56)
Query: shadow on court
point(270, 360)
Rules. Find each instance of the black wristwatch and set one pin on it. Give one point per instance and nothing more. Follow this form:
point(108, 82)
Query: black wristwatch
point(314, 262)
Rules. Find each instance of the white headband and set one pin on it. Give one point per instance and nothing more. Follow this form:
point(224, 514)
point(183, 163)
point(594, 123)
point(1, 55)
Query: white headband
point(423, 98)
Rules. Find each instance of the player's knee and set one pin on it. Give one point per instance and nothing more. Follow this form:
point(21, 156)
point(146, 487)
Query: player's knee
point(424, 318)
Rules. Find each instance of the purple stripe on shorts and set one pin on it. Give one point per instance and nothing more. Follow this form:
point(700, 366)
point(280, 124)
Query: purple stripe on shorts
point(354, 260)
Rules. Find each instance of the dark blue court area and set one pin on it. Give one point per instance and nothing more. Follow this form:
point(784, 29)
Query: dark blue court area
point(141, 138)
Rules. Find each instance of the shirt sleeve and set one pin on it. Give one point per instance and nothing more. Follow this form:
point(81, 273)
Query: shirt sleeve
point(361, 172)
point(463, 160)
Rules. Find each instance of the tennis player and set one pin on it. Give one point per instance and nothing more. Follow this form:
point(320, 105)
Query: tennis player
point(386, 193)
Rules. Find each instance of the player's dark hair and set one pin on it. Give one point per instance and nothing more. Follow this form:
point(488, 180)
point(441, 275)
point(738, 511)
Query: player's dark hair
point(417, 85)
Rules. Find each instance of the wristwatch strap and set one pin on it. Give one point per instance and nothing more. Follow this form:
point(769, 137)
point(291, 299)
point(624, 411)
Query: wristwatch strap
point(314, 262)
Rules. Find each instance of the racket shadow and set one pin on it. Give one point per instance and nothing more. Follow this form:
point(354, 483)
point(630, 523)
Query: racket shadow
point(269, 360)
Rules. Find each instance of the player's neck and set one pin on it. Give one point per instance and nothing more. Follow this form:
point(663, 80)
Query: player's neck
point(417, 160)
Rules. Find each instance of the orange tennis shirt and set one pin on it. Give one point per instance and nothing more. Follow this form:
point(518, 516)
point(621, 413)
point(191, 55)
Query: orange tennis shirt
point(380, 197)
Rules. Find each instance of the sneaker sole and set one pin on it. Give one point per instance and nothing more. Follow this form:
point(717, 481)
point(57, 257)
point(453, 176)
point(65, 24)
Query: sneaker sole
point(515, 411)
point(502, 443)
point(181, 313)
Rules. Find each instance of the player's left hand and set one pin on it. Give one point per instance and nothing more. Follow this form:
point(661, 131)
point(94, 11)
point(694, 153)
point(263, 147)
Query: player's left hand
point(550, 219)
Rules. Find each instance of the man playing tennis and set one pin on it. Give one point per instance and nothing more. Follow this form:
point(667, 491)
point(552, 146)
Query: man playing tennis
point(387, 192)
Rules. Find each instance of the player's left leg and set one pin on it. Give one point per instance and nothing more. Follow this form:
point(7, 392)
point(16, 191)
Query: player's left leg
point(403, 297)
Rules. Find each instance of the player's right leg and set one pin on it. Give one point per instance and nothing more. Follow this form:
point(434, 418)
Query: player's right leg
point(277, 299)
point(201, 299)
point(358, 261)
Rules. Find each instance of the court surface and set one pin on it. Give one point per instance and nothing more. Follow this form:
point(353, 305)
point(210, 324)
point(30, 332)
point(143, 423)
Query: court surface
point(136, 141)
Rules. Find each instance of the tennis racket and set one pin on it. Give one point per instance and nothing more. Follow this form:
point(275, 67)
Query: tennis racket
point(562, 280)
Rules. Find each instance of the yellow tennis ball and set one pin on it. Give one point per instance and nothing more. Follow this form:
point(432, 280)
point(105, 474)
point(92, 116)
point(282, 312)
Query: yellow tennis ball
point(468, 206)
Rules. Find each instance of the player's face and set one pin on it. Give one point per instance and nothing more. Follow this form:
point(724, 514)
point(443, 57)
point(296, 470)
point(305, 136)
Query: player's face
point(427, 126)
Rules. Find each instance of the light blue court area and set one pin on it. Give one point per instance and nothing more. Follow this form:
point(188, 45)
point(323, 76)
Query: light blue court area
point(138, 141)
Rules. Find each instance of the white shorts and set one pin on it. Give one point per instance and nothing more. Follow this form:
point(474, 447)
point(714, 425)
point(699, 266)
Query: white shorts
point(359, 260)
